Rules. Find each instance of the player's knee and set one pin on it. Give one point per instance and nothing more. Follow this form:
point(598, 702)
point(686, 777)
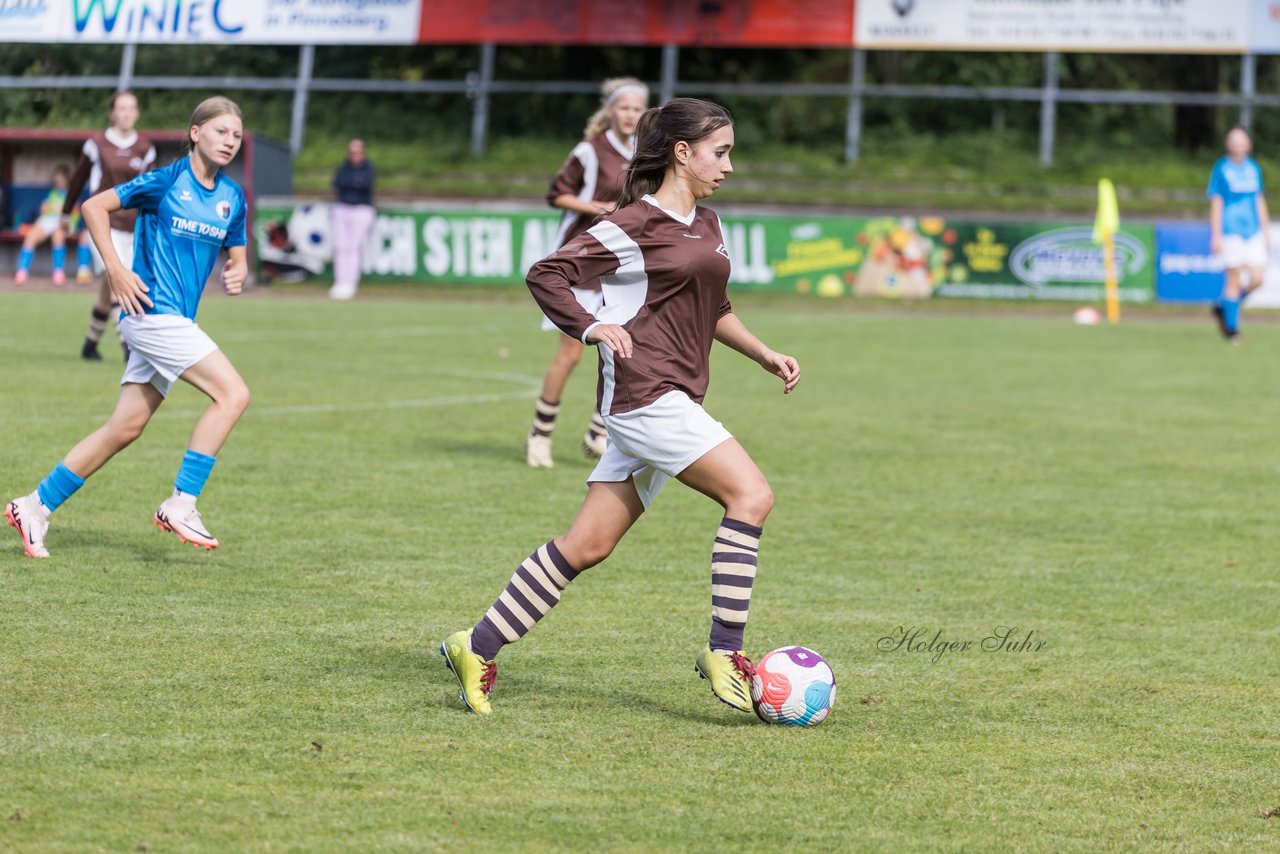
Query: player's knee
point(237, 399)
point(569, 356)
point(586, 552)
point(754, 504)
point(126, 430)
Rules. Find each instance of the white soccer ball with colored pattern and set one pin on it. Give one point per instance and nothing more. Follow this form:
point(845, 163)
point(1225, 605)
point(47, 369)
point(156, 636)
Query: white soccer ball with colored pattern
point(794, 686)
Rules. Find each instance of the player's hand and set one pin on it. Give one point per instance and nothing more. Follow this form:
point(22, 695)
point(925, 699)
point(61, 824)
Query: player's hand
point(234, 276)
point(614, 336)
point(128, 290)
point(782, 366)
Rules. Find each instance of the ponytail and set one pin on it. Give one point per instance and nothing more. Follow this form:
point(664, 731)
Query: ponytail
point(657, 133)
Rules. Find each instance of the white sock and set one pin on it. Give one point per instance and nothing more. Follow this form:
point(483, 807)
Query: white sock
point(183, 497)
point(35, 498)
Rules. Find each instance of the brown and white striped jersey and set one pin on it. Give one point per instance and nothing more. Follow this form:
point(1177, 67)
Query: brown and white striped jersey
point(664, 279)
point(594, 171)
point(106, 161)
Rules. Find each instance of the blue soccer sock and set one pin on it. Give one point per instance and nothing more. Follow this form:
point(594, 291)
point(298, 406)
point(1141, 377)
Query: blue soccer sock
point(1231, 315)
point(60, 485)
point(193, 473)
point(25, 257)
point(84, 257)
point(59, 258)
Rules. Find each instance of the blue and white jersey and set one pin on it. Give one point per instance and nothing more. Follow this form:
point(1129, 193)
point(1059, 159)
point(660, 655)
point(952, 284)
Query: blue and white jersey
point(182, 226)
point(1239, 185)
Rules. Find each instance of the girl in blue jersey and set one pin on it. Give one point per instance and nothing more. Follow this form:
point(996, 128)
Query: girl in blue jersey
point(187, 213)
point(1240, 227)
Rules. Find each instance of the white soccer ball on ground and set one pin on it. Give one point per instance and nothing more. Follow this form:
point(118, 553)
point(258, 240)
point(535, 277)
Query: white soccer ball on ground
point(794, 686)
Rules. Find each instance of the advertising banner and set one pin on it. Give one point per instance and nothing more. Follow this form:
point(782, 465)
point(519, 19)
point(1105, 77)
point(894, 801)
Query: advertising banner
point(826, 256)
point(1189, 272)
point(1264, 26)
point(210, 21)
point(1173, 26)
point(741, 23)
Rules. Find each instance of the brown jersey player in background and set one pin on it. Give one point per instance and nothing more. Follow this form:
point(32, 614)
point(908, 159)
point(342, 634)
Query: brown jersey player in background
point(109, 158)
point(587, 186)
point(664, 270)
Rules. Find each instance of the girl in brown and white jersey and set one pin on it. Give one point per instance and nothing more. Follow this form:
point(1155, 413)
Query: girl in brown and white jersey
point(664, 270)
point(587, 186)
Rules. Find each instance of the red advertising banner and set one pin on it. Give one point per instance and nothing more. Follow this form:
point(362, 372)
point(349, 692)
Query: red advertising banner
point(707, 23)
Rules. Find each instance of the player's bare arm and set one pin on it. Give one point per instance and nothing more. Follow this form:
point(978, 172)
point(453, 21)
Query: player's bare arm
point(129, 290)
point(733, 333)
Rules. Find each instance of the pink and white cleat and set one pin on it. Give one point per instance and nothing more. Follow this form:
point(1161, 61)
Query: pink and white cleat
point(31, 522)
point(183, 519)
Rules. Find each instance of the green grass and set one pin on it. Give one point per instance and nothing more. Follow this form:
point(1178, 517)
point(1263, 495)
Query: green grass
point(1111, 489)
point(979, 172)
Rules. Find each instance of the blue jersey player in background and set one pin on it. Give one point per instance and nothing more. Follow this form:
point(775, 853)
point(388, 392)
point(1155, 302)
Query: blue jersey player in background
point(188, 212)
point(1240, 227)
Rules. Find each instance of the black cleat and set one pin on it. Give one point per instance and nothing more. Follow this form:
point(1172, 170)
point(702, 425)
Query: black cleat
point(1222, 321)
point(89, 352)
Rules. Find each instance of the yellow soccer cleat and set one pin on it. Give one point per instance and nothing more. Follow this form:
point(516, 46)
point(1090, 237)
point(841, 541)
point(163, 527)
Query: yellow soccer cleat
point(729, 674)
point(475, 675)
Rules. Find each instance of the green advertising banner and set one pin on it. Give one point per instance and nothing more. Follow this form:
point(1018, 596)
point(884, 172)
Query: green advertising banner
point(899, 257)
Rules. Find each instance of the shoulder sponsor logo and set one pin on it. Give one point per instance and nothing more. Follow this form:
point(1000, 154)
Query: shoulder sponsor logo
point(902, 7)
point(184, 196)
point(722, 250)
point(692, 236)
point(224, 209)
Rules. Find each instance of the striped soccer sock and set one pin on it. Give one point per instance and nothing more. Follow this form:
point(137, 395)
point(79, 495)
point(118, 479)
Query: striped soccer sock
point(97, 325)
point(597, 428)
point(534, 590)
point(544, 418)
point(733, 571)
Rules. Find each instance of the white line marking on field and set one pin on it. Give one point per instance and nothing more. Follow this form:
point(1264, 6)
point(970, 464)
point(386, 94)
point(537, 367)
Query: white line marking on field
point(532, 387)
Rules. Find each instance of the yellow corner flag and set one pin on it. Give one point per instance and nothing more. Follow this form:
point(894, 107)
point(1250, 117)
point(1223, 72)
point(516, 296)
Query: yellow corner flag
point(1105, 227)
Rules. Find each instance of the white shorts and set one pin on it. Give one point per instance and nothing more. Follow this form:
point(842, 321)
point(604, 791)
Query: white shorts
point(161, 348)
point(655, 442)
point(592, 301)
point(123, 242)
point(1243, 251)
point(49, 224)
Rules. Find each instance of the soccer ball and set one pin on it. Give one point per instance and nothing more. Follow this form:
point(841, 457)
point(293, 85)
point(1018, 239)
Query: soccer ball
point(793, 685)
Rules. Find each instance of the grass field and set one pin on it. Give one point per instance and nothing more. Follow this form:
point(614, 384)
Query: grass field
point(1111, 490)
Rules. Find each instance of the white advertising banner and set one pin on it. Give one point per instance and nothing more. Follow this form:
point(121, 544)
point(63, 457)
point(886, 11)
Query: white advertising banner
point(210, 21)
point(1264, 28)
point(1179, 26)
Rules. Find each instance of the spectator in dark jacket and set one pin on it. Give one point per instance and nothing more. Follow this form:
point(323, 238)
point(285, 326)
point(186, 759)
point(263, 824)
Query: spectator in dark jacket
point(353, 216)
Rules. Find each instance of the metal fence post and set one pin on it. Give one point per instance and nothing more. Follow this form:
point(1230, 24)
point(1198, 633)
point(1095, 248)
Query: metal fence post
point(1049, 108)
point(127, 59)
point(1248, 88)
point(853, 124)
point(670, 65)
point(480, 110)
point(302, 86)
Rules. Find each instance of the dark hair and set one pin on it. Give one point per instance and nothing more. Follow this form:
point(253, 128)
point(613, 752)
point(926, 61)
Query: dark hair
point(660, 128)
point(111, 105)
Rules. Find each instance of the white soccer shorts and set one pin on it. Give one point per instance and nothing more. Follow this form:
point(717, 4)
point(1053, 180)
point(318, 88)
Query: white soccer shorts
point(161, 348)
point(656, 442)
point(123, 242)
point(1243, 251)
